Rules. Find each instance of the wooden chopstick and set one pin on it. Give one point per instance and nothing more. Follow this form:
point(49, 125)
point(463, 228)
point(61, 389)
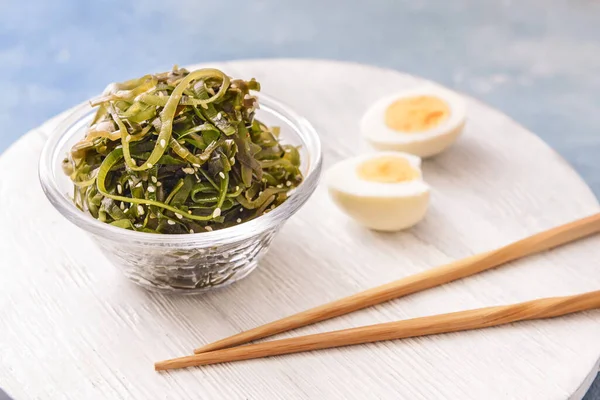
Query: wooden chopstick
point(434, 277)
point(443, 323)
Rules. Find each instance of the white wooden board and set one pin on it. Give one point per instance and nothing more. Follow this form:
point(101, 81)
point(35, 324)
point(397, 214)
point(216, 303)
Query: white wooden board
point(72, 328)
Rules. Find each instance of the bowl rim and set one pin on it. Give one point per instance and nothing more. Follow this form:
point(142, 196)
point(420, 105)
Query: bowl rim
point(200, 239)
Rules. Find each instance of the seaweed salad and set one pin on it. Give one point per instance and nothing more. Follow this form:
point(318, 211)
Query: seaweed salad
point(180, 152)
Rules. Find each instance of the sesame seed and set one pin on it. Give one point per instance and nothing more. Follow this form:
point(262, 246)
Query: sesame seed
point(178, 215)
point(247, 96)
point(232, 160)
point(217, 212)
point(126, 210)
point(140, 209)
point(189, 211)
point(279, 186)
point(219, 116)
point(154, 180)
point(189, 171)
point(171, 222)
point(138, 185)
point(130, 183)
point(288, 183)
point(208, 228)
point(196, 165)
point(119, 188)
point(239, 220)
point(241, 209)
point(159, 184)
point(191, 231)
point(149, 165)
point(237, 188)
point(163, 143)
point(260, 193)
point(128, 138)
point(151, 189)
point(288, 150)
point(122, 206)
point(137, 225)
point(222, 175)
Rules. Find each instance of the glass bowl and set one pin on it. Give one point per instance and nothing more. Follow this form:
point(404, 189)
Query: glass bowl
point(184, 263)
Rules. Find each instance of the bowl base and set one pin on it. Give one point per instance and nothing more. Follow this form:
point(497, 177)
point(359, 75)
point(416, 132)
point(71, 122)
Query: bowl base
point(188, 270)
point(165, 289)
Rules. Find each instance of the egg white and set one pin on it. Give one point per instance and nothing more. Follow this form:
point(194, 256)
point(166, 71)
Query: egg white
point(425, 143)
point(378, 205)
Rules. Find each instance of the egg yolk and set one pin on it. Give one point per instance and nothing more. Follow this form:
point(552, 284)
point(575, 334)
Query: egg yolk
point(387, 169)
point(416, 114)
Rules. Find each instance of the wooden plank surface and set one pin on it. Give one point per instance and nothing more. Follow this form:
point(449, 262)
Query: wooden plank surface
point(71, 327)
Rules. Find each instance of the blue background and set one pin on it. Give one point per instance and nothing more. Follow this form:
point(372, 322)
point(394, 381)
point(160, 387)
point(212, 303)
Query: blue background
point(536, 60)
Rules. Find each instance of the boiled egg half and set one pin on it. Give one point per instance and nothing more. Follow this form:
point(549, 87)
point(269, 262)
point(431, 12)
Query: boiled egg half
point(423, 121)
point(383, 191)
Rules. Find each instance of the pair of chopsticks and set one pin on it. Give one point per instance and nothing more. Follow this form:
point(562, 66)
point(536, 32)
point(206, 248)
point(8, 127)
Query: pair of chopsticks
point(224, 350)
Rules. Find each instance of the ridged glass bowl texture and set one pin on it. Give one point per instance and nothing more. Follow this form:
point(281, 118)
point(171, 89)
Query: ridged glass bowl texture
point(186, 263)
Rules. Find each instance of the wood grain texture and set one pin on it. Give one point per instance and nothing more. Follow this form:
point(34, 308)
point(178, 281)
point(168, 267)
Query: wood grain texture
point(418, 282)
point(479, 318)
point(94, 335)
